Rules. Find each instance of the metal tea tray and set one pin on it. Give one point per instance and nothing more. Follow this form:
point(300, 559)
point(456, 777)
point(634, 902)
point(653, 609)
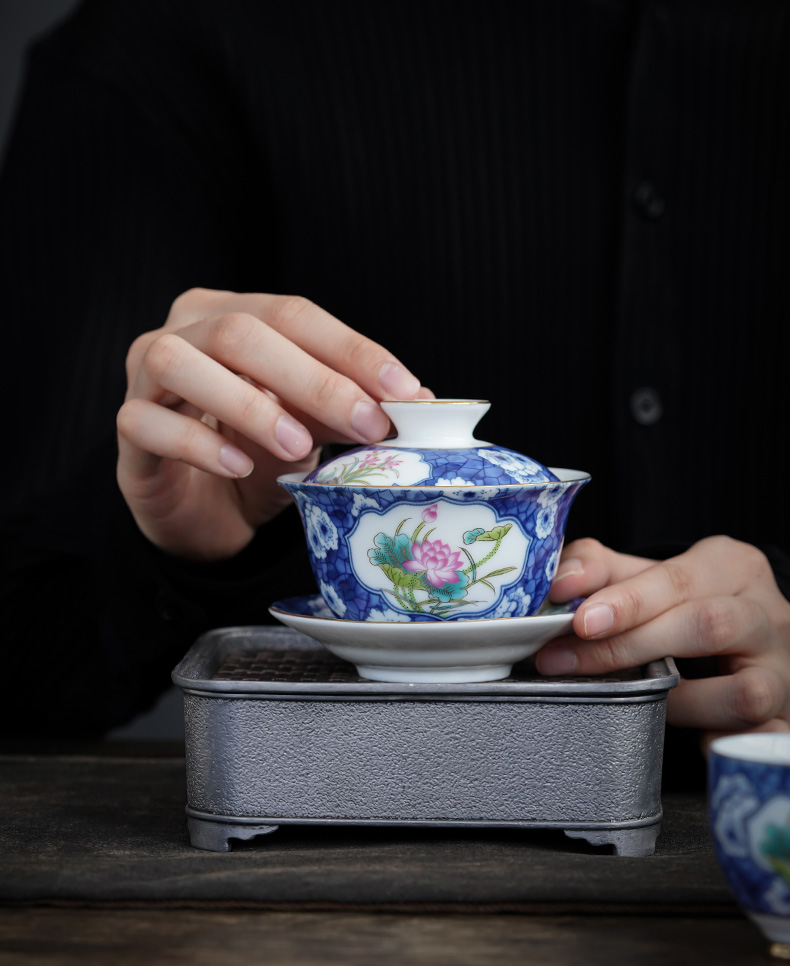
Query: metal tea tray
point(280, 731)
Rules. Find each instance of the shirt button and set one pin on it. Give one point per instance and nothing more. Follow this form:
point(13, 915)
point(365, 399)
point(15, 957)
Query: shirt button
point(648, 201)
point(646, 406)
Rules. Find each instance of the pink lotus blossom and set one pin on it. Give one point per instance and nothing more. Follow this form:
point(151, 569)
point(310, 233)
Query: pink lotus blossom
point(429, 514)
point(439, 563)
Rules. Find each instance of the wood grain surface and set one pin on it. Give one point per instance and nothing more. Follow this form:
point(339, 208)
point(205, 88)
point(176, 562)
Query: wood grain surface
point(94, 937)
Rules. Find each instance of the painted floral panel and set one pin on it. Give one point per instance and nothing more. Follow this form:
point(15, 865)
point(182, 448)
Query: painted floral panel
point(375, 467)
point(440, 560)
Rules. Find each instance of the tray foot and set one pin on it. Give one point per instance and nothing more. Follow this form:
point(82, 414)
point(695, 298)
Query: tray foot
point(637, 842)
point(205, 834)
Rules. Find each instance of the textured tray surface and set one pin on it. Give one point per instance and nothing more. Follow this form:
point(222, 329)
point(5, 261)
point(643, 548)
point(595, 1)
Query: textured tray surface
point(315, 665)
point(272, 665)
point(261, 660)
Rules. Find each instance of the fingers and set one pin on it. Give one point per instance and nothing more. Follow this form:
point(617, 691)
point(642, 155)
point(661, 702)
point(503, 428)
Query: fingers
point(751, 698)
point(705, 627)
point(200, 365)
point(173, 367)
point(150, 432)
point(310, 328)
point(323, 435)
point(242, 344)
point(714, 566)
point(586, 565)
point(325, 378)
point(331, 342)
point(718, 599)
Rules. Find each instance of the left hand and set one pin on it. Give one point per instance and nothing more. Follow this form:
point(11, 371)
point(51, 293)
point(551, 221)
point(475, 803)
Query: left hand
point(718, 599)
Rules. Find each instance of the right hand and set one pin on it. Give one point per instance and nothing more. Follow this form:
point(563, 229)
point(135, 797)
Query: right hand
point(234, 390)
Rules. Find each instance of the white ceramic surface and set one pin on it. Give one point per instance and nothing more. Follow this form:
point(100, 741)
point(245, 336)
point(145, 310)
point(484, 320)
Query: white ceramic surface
point(767, 748)
point(426, 425)
point(425, 652)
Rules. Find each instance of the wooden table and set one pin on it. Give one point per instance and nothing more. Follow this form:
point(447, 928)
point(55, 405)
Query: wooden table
point(98, 871)
point(177, 936)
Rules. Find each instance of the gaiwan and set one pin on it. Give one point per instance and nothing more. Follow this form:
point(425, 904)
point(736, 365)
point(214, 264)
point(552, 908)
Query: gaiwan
point(434, 524)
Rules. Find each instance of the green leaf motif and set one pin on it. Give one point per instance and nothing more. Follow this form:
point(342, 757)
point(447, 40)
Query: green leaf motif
point(399, 577)
point(496, 534)
point(390, 550)
point(471, 535)
point(493, 574)
point(472, 565)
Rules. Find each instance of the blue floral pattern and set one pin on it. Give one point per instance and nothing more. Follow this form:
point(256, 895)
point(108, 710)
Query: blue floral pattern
point(379, 466)
point(388, 615)
point(516, 603)
point(551, 565)
point(544, 521)
point(551, 495)
point(321, 532)
point(750, 821)
point(521, 468)
point(332, 599)
point(360, 502)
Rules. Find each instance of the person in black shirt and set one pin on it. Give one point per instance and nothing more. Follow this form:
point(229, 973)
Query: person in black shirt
point(577, 209)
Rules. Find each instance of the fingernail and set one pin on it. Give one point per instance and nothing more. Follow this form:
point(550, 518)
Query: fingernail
point(369, 421)
point(293, 437)
point(557, 662)
point(567, 568)
point(235, 461)
point(597, 619)
point(398, 382)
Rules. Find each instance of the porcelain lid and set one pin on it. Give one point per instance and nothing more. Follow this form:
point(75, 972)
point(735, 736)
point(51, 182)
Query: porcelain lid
point(435, 446)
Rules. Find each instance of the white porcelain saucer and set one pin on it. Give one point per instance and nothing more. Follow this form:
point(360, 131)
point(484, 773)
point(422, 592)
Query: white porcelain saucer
point(471, 651)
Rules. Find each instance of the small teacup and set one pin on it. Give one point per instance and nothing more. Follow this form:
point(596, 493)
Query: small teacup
point(749, 795)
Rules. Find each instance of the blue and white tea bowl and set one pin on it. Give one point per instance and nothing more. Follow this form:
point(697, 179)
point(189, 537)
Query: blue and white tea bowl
point(435, 553)
point(749, 788)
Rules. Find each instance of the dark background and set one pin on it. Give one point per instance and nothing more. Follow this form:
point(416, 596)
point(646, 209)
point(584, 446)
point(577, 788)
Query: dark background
point(20, 22)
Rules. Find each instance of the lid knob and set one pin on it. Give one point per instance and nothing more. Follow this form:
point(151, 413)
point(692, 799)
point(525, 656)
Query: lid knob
point(435, 424)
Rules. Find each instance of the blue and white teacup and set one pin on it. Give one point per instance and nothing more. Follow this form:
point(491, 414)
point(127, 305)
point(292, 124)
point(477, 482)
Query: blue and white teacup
point(434, 553)
point(749, 787)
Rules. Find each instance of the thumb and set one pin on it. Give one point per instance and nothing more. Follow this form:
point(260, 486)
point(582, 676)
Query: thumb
point(586, 565)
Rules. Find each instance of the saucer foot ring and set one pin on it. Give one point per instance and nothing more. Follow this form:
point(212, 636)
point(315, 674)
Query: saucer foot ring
point(437, 674)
